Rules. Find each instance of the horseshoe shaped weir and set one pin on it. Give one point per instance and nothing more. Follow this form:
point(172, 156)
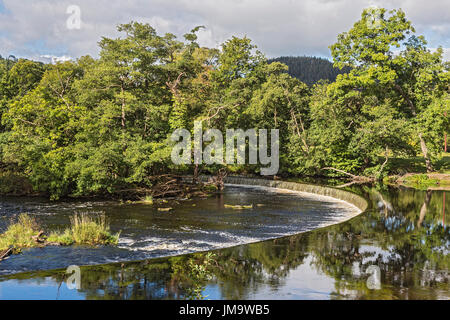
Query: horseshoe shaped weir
point(359, 202)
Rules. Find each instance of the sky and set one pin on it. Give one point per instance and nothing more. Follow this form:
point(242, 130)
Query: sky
point(47, 30)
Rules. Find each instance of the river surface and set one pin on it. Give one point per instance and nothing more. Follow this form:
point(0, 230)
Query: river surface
point(315, 248)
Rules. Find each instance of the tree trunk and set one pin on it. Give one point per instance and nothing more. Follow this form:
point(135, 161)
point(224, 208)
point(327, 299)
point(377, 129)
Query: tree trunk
point(423, 210)
point(384, 163)
point(445, 136)
point(5, 253)
point(195, 178)
point(123, 108)
point(424, 148)
point(423, 145)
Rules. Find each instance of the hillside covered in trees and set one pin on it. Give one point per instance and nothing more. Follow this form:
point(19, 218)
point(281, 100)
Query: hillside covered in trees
point(102, 125)
point(310, 69)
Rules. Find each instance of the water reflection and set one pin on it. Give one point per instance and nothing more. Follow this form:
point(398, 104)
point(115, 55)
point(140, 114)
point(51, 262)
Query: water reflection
point(404, 233)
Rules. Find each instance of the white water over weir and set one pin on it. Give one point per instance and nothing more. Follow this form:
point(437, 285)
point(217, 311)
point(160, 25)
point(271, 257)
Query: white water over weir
point(349, 197)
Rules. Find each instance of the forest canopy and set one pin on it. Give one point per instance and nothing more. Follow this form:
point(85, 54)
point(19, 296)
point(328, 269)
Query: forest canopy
point(310, 70)
point(100, 125)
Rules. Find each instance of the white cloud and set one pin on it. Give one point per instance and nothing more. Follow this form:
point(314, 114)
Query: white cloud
point(447, 54)
point(283, 27)
point(54, 59)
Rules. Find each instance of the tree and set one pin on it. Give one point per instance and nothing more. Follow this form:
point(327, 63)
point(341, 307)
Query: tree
point(41, 128)
point(281, 102)
point(21, 77)
point(388, 61)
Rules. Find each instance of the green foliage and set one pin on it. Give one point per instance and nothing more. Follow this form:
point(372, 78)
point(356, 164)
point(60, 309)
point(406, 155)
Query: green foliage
point(90, 230)
point(408, 81)
point(101, 126)
point(21, 78)
point(194, 273)
point(65, 238)
point(84, 230)
point(14, 184)
point(19, 235)
point(148, 200)
point(434, 121)
point(310, 70)
point(420, 181)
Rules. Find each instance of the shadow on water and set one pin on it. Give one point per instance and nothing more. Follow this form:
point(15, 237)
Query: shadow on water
point(403, 233)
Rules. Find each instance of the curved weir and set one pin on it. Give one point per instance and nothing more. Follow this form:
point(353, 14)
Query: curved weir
point(346, 196)
point(278, 209)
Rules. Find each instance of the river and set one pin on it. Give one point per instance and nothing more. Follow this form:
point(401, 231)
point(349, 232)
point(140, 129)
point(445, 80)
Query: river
point(288, 246)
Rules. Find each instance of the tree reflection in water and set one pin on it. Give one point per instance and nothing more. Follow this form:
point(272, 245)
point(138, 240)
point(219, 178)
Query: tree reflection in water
point(404, 233)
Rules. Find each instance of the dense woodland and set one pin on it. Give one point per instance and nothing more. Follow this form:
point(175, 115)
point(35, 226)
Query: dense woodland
point(310, 69)
point(102, 125)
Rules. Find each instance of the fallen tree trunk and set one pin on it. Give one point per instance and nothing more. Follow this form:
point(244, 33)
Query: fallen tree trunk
point(218, 180)
point(37, 238)
point(171, 185)
point(5, 253)
point(355, 178)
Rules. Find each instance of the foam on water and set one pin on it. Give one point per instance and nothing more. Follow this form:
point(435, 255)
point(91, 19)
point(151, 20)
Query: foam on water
point(342, 211)
point(147, 233)
point(337, 203)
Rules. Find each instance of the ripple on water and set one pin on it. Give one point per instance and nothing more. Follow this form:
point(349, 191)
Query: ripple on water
point(147, 233)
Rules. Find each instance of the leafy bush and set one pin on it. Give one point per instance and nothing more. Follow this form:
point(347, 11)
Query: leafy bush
point(19, 234)
point(84, 229)
point(88, 230)
point(420, 181)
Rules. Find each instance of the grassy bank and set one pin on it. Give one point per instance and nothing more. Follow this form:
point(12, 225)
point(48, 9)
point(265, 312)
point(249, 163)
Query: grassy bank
point(411, 172)
point(402, 166)
point(84, 230)
point(20, 234)
point(421, 181)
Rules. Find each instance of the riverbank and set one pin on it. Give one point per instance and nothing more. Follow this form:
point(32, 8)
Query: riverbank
point(421, 181)
point(164, 186)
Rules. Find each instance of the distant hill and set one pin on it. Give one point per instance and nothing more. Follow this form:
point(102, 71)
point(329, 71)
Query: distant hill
point(6, 63)
point(310, 69)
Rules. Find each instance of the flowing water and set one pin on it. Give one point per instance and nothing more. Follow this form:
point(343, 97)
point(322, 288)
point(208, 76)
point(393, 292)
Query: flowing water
point(191, 225)
point(397, 249)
